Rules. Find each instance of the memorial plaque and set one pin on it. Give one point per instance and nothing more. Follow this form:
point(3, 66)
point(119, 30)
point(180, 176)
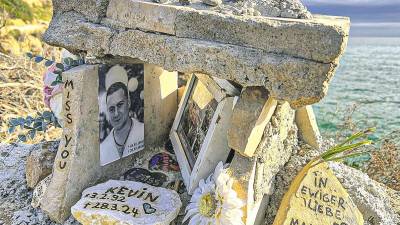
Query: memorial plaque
point(316, 197)
point(126, 202)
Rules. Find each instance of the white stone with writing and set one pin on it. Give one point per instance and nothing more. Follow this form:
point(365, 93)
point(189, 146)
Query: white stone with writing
point(127, 202)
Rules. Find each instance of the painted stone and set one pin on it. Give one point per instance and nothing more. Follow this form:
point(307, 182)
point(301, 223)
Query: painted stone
point(126, 202)
point(163, 162)
point(317, 197)
point(156, 179)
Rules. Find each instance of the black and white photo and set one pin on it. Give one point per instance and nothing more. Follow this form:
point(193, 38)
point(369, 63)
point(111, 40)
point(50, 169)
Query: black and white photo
point(121, 108)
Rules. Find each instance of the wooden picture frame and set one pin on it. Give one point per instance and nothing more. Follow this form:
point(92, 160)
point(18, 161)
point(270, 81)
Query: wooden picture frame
point(199, 132)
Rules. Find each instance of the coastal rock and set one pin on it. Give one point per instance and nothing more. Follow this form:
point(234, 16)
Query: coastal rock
point(212, 2)
point(127, 202)
point(39, 164)
point(316, 196)
point(379, 204)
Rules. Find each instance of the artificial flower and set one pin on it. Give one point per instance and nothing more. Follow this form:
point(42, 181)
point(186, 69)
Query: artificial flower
point(214, 202)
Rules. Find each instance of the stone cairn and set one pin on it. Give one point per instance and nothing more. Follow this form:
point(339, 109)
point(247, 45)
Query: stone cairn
point(281, 66)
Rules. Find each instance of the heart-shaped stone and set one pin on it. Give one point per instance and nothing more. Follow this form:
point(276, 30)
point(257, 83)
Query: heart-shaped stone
point(148, 209)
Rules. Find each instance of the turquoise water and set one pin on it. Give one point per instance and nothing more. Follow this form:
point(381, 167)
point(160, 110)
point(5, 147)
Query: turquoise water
point(368, 79)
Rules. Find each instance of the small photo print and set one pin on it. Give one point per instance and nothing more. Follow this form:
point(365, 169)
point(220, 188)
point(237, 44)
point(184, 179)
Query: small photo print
point(196, 120)
point(121, 108)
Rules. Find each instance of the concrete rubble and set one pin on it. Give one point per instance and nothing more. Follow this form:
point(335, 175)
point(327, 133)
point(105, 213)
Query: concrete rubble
point(293, 58)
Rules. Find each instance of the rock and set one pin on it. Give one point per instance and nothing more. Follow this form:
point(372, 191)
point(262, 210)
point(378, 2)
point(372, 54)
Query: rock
point(308, 127)
point(316, 196)
point(40, 191)
point(251, 114)
point(379, 204)
point(185, 2)
point(212, 2)
point(127, 202)
point(161, 1)
point(39, 164)
point(15, 197)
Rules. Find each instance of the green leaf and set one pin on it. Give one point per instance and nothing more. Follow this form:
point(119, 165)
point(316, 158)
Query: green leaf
point(37, 125)
point(57, 71)
point(32, 133)
point(68, 61)
point(60, 66)
point(54, 83)
point(354, 155)
point(11, 129)
point(13, 122)
point(21, 122)
point(38, 59)
point(29, 120)
point(344, 149)
point(29, 55)
point(44, 126)
point(47, 115)
point(22, 138)
point(48, 63)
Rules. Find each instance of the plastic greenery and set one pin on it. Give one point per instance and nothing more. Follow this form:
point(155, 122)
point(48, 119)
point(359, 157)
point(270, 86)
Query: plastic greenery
point(67, 64)
point(345, 150)
point(40, 123)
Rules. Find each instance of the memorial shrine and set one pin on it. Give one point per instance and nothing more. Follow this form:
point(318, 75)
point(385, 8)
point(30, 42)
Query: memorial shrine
point(207, 100)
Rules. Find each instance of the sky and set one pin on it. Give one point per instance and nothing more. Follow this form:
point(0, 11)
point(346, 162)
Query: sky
point(368, 17)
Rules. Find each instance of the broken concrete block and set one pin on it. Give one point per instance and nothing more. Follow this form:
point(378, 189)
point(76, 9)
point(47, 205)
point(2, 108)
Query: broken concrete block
point(308, 127)
point(316, 196)
point(282, 74)
point(321, 39)
point(254, 176)
point(40, 191)
point(127, 202)
point(93, 10)
point(251, 114)
point(275, 149)
point(76, 165)
point(160, 97)
point(39, 163)
point(243, 170)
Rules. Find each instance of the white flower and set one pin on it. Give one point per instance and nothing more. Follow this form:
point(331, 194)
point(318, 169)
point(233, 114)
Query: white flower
point(214, 202)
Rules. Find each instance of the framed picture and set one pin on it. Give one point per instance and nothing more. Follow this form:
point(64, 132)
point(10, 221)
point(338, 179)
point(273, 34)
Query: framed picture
point(121, 108)
point(198, 134)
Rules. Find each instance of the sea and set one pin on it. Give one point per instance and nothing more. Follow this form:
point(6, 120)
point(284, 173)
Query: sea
point(365, 91)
